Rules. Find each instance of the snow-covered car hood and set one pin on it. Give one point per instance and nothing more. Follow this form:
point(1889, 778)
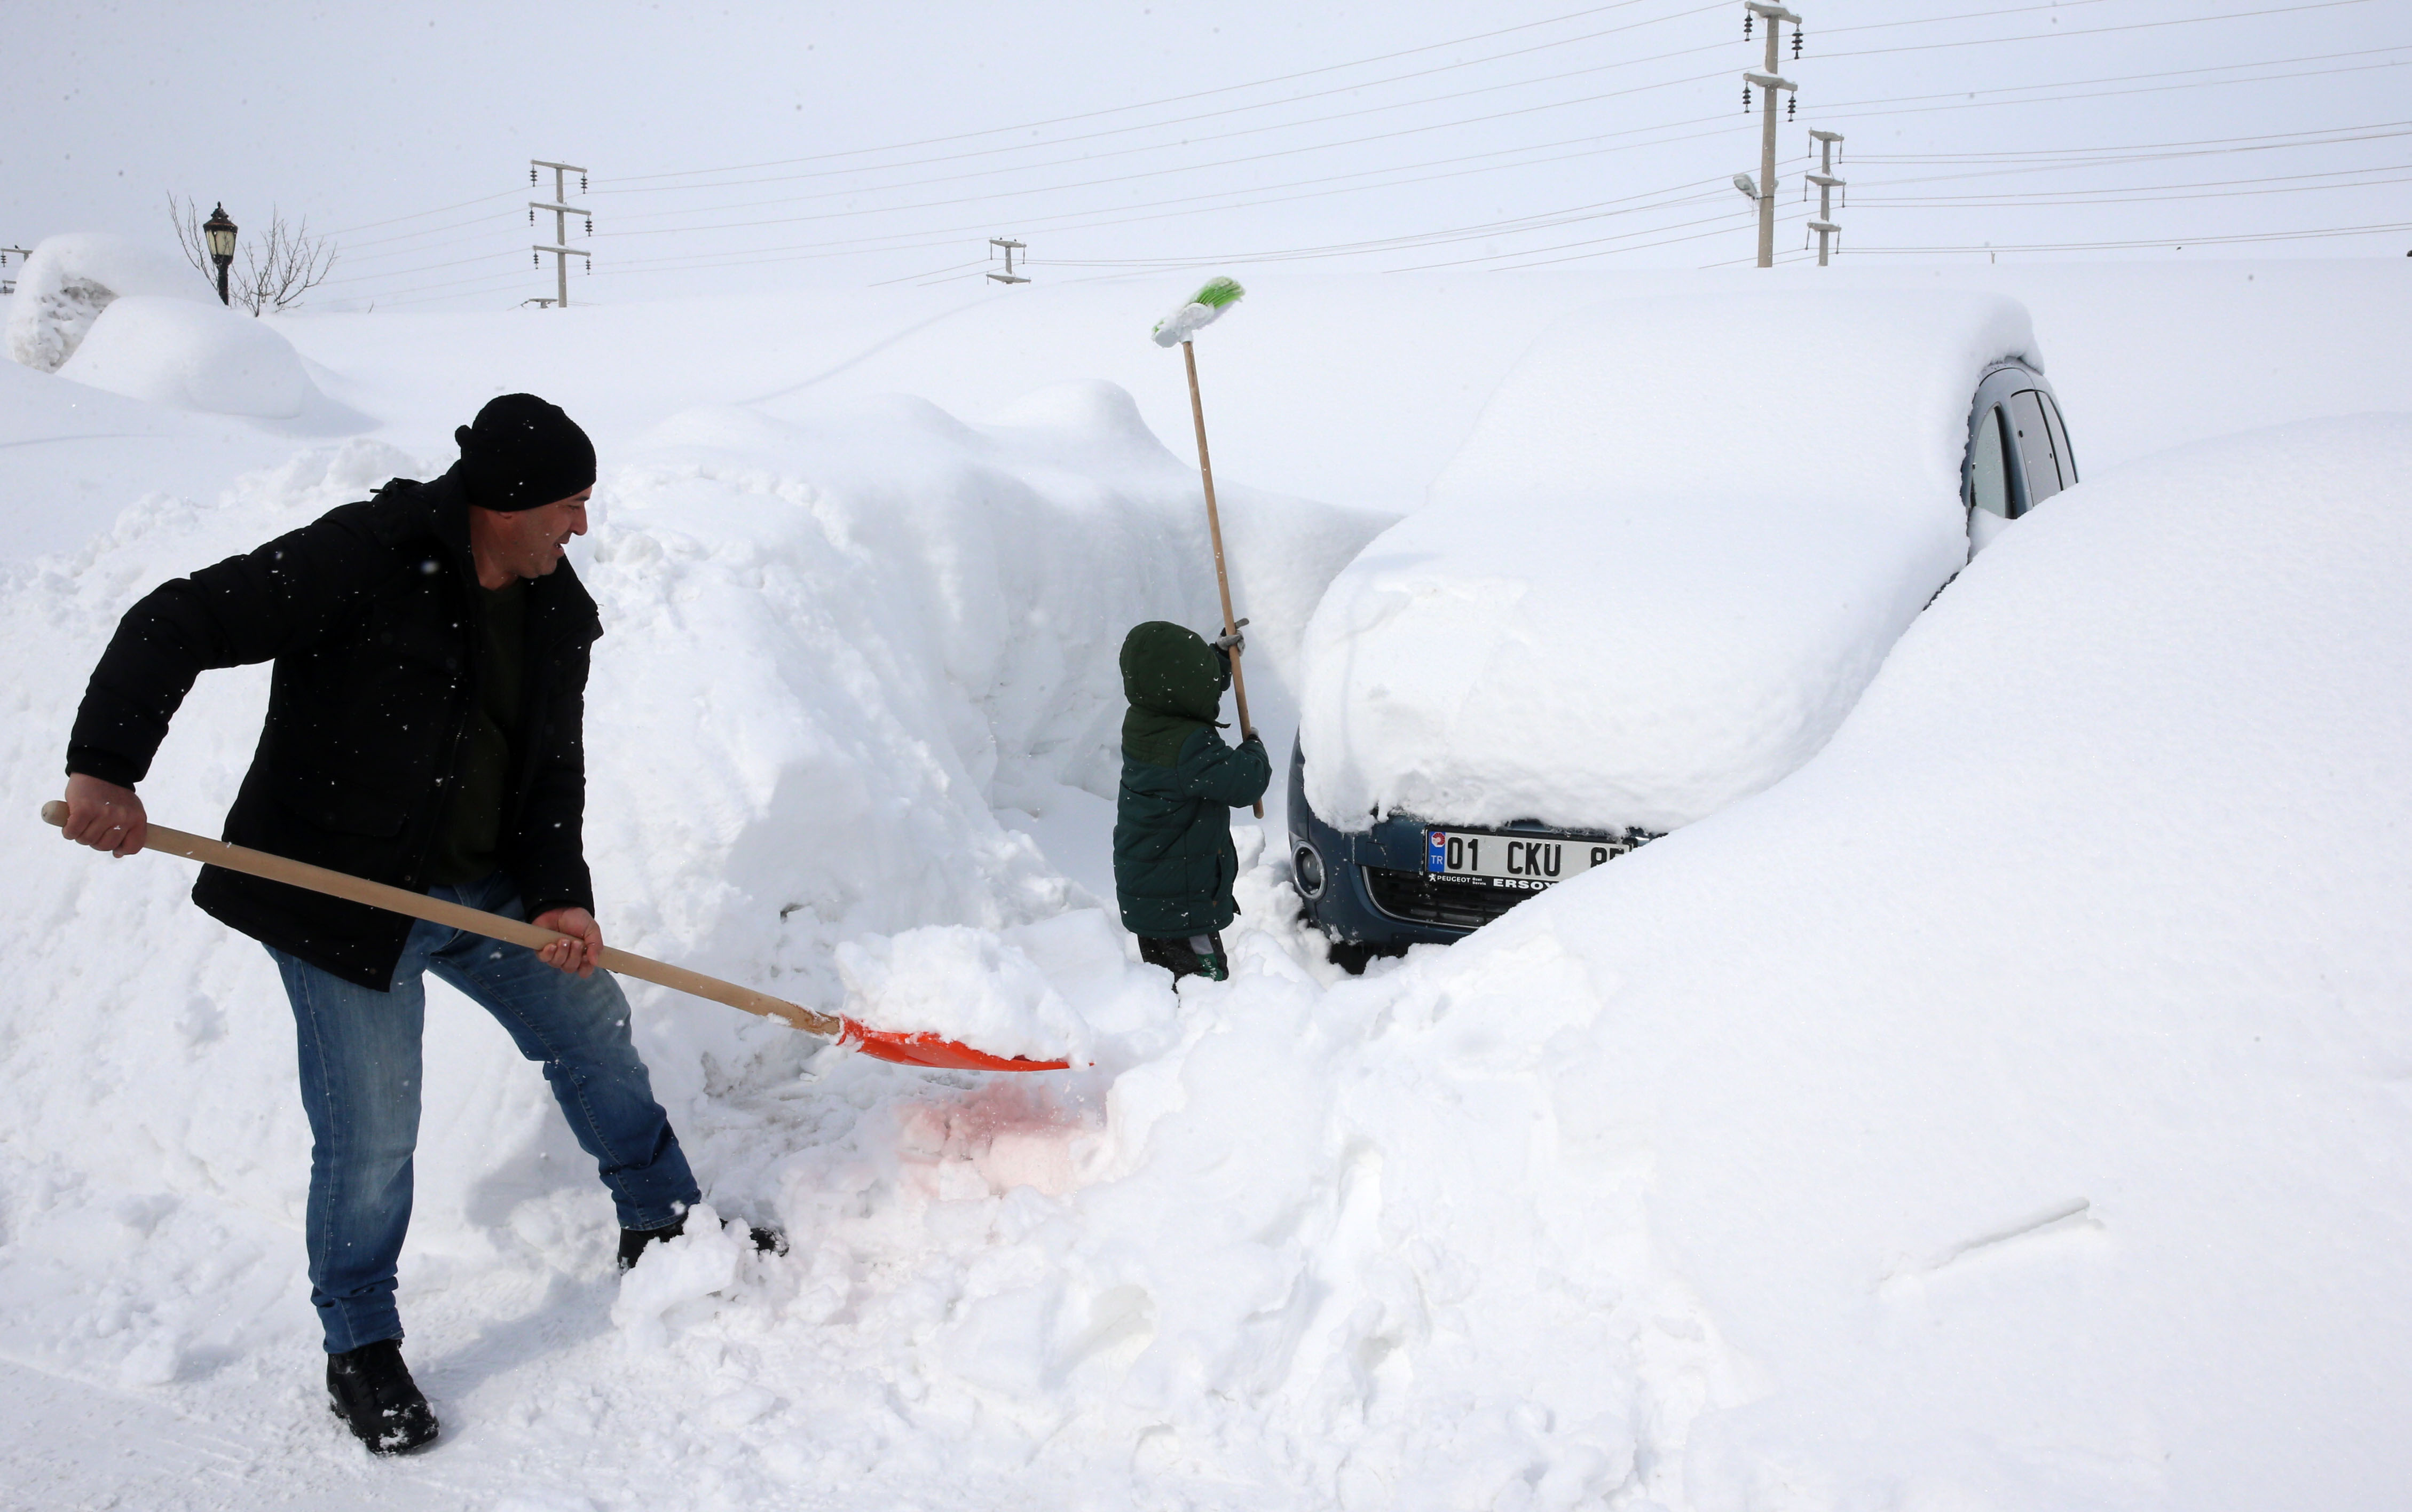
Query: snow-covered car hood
point(1677, 544)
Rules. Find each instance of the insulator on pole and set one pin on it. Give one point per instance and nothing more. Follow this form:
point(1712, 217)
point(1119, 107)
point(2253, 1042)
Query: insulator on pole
point(1796, 57)
point(536, 260)
point(531, 175)
point(1791, 103)
point(1746, 17)
point(1745, 99)
point(590, 226)
point(581, 178)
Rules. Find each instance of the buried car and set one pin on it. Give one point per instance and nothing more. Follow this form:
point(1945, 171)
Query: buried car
point(1677, 544)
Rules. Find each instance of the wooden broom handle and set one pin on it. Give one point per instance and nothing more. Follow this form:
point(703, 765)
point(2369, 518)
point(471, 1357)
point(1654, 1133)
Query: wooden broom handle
point(1214, 529)
point(492, 926)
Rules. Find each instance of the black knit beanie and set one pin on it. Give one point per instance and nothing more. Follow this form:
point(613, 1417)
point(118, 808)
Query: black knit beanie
point(522, 453)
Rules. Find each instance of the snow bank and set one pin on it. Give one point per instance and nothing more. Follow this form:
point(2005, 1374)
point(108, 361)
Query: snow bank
point(191, 356)
point(2020, 1084)
point(1635, 597)
point(2004, 1109)
point(69, 281)
point(834, 640)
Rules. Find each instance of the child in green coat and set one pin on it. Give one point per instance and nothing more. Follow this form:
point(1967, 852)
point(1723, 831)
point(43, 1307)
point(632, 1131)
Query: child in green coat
point(1175, 864)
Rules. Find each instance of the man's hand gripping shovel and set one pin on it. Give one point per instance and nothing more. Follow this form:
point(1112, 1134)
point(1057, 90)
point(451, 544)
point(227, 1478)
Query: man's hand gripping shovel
point(905, 1049)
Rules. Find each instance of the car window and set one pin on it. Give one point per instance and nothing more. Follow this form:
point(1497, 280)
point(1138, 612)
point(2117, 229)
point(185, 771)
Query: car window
point(2034, 446)
point(2059, 439)
point(1989, 478)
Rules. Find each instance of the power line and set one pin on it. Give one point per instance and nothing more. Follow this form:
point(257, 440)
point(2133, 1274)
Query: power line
point(1150, 173)
point(2098, 31)
point(1342, 115)
point(2131, 197)
point(2069, 154)
point(1839, 113)
point(1116, 109)
point(2179, 242)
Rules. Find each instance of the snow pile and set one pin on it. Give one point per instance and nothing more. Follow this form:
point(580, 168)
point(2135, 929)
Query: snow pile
point(680, 1281)
point(1632, 598)
point(191, 356)
point(69, 281)
point(834, 640)
point(2004, 1110)
point(2020, 1083)
point(966, 985)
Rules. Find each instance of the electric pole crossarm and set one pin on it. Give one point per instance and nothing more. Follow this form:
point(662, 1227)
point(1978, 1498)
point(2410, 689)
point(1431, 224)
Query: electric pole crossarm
point(1771, 80)
point(559, 209)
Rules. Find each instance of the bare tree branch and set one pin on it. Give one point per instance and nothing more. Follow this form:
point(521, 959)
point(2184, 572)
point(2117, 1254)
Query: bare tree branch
point(186, 214)
point(285, 265)
point(278, 267)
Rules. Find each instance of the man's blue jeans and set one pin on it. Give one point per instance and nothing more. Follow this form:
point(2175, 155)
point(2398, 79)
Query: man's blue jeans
point(359, 1087)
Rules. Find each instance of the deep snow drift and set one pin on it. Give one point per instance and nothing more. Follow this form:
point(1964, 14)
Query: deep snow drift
point(2002, 1110)
point(69, 282)
point(1633, 597)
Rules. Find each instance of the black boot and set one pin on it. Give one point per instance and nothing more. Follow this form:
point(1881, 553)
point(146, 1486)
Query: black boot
point(369, 1389)
point(1194, 955)
point(633, 1241)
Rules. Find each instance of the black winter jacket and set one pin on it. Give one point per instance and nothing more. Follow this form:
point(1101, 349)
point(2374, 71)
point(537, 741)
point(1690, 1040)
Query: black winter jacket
point(1175, 863)
point(368, 613)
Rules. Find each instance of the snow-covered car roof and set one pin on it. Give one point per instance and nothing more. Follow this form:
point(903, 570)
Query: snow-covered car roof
point(1677, 544)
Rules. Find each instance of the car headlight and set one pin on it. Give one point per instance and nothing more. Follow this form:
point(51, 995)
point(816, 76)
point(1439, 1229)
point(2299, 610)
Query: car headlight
point(1308, 865)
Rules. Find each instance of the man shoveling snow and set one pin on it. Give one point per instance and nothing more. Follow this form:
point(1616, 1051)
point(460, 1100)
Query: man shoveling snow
point(425, 729)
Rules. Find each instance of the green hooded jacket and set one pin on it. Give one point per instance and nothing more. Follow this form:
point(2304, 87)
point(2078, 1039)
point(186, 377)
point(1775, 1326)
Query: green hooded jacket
point(1173, 861)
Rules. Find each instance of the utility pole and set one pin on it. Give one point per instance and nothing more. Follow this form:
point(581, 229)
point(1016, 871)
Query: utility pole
point(1769, 81)
point(1827, 183)
point(1009, 276)
point(7, 279)
point(562, 209)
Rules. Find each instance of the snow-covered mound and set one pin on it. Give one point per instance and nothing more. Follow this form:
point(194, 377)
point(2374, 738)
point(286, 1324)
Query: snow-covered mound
point(833, 642)
point(69, 281)
point(2020, 1083)
point(2003, 1110)
point(1639, 593)
point(189, 355)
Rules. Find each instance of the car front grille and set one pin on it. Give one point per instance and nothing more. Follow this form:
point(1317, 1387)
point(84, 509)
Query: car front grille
point(1461, 903)
point(1464, 903)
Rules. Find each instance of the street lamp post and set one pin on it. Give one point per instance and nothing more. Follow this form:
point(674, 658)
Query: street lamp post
point(219, 232)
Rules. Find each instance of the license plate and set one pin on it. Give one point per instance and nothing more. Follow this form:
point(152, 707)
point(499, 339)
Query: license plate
point(1527, 863)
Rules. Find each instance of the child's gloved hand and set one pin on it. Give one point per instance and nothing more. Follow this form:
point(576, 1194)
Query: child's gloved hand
point(1233, 643)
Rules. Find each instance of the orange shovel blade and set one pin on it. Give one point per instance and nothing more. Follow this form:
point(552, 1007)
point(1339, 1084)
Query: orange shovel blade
point(928, 1050)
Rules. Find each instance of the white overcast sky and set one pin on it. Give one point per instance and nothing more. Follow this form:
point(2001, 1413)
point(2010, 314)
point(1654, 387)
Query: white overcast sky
point(742, 146)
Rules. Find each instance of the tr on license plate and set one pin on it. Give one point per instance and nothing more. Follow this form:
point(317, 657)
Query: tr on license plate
point(1519, 862)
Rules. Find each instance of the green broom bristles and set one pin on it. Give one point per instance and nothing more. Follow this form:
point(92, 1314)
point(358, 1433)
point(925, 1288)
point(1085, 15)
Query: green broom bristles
point(1202, 309)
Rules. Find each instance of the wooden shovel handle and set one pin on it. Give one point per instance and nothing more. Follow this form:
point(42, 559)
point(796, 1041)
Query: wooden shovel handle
point(476, 921)
point(1215, 531)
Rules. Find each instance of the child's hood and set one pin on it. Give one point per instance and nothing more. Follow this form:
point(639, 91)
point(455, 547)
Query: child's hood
point(1171, 670)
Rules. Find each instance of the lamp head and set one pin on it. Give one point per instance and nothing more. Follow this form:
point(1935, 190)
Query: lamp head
point(219, 232)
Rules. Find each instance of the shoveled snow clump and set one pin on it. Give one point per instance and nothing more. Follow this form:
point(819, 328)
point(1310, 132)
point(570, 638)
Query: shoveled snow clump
point(965, 984)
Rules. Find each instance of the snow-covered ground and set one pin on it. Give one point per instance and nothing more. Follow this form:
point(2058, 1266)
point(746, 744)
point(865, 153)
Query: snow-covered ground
point(2004, 1110)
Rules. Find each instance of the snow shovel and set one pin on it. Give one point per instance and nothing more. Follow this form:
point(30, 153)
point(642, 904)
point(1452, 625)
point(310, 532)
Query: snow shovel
point(905, 1048)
